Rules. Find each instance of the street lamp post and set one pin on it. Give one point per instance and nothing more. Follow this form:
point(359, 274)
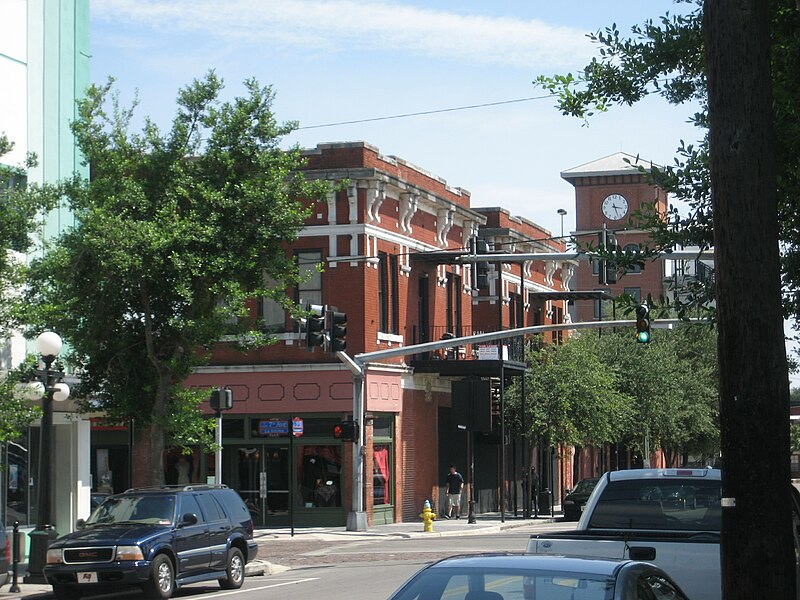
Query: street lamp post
point(563, 213)
point(49, 387)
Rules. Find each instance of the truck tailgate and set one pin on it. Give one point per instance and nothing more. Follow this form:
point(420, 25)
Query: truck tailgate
point(694, 565)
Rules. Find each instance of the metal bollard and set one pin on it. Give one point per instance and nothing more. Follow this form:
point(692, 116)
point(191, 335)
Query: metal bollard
point(16, 557)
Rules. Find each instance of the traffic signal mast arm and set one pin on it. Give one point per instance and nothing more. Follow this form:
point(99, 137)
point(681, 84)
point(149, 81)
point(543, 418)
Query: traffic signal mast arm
point(526, 256)
point(493, 336)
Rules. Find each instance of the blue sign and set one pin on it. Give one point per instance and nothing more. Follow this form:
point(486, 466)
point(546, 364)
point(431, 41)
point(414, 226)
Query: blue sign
point(273, 427)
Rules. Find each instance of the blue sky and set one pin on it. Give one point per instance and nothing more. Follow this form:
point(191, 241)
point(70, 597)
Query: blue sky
point(342, 60)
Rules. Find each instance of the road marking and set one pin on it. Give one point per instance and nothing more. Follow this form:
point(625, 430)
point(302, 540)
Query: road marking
point(263, 587)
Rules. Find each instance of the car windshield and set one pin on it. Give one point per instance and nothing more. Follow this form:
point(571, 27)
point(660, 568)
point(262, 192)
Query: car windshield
point(585, 486)
point(503, 584)
point(659, 504)
point(147, 510)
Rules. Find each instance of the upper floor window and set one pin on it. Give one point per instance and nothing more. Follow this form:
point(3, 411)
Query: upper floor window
point(388, 293)
point(271, 313)
point(453, 316)
point(634, 292)
point(632, 249)
point(603, 308)
point(309, 289)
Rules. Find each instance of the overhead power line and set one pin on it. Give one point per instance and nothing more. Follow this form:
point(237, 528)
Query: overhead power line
point(428, 112)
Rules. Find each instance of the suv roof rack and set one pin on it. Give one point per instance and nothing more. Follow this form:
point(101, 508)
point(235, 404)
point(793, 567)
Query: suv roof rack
point(178, 488)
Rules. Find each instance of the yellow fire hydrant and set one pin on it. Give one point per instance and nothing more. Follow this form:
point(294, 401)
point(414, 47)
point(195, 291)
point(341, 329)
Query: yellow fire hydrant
point(427, 516)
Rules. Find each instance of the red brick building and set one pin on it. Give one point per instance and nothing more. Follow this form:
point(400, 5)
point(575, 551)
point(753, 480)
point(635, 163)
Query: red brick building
point(387, 244)
point(607, 192)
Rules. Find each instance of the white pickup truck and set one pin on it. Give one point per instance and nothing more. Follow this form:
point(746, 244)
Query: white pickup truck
point(668, 517)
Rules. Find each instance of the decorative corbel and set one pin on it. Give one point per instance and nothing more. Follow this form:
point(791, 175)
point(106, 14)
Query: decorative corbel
point(549, 270)
point(444, 223)
point(376, 193)
point(408, 207)
point(567, 273)
point(331, 198)
point(352, 199)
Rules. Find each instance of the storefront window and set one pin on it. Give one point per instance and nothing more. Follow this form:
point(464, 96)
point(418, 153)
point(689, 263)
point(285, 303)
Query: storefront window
point(319, 472)
point(233, 428)
point(15, 472)
point(381, 475)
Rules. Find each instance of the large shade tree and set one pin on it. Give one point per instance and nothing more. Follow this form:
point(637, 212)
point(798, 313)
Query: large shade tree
point(175, 232)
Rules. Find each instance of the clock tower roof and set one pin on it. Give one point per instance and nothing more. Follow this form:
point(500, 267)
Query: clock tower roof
point(620, 163)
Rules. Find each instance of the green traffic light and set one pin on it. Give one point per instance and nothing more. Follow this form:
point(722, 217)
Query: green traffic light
point(643, 337)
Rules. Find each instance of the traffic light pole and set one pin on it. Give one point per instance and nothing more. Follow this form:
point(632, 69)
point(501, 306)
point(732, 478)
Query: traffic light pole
point(357, 517)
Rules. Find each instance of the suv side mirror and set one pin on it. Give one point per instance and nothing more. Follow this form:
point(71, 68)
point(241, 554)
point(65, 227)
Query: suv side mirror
point(80, 524)
point(189, 519)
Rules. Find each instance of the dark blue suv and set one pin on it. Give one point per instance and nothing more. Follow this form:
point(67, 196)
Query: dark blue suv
point(158, 539)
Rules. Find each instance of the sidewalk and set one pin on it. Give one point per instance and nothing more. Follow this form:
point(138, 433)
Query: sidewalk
point(486, 523)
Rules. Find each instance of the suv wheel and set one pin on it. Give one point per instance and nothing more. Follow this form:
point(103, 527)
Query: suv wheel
point(235, 571)
point(162, 579)
point(66, 592)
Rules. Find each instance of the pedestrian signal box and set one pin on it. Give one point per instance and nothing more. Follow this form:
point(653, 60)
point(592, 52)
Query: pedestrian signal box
point(347, 431)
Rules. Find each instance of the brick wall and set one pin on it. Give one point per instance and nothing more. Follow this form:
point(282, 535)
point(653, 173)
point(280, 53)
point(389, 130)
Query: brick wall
point(417, 464)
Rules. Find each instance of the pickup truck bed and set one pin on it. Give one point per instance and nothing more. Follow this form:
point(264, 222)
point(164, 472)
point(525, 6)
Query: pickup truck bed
point(691, 558)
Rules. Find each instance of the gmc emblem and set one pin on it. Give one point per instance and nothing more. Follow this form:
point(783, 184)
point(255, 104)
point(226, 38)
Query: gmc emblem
point(87, 555)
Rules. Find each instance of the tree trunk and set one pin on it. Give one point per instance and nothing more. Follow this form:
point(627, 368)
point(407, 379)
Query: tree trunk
point(756, 545)
point(156, 430)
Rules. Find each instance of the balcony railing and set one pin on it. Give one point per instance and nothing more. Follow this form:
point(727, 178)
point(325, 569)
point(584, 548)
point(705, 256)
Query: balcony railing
point(513, 348)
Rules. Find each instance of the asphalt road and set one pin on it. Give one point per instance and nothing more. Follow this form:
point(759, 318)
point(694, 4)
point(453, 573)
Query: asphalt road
point(359, 569)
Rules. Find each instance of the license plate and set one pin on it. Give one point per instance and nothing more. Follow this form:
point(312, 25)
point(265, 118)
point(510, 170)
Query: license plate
point(87, 577)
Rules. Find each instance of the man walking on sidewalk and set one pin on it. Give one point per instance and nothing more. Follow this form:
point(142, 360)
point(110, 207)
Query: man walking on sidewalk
point(454, 484)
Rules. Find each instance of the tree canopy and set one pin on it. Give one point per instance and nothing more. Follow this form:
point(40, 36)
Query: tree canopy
point(609, 388)
point(175, 232)
point(21, 205)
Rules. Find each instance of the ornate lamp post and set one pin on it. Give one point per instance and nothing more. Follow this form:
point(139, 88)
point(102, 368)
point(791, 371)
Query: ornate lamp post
point(48, 387)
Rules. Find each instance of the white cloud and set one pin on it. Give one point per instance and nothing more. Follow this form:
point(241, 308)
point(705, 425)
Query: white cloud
point(339, 25)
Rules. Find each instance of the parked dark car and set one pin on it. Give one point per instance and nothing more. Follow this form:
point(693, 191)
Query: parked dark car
point(536, 577)
point(575, 500)
point(5, 554)
point(157, 539)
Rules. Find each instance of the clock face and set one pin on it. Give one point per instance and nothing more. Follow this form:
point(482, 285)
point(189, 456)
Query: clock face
point(615, 206)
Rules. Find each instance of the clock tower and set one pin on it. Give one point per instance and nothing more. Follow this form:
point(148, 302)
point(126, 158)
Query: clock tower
point(607, 192)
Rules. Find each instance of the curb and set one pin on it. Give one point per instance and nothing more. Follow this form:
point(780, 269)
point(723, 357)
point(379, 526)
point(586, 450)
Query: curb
point(258, 568)
point(463, 532)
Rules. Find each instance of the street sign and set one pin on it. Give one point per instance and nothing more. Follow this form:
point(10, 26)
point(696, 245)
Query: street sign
point(273, 427)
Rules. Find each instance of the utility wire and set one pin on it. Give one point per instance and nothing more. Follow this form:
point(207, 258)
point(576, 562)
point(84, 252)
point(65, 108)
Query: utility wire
point(428, 112)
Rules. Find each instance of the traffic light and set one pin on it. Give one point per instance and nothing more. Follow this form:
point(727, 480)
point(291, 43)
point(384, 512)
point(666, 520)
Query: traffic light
point(314, 326)
point(607, 242)
point(347, 431)
point(642, 324)
point(221, 399)
point(482, 267)
point(337, 330)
